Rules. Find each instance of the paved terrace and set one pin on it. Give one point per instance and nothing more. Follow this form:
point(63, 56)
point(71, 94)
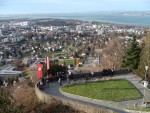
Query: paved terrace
point(8, 72)
point(54, 89)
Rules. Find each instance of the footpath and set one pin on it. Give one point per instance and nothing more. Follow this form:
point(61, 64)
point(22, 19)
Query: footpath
point(54, 89)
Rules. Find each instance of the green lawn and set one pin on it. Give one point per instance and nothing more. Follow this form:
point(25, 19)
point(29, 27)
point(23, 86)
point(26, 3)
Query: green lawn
point(68, 62)
point(55, 53)
point(112, 90)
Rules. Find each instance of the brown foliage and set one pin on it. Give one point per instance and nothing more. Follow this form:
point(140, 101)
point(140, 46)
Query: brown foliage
point(112, 53)
point(24, 95)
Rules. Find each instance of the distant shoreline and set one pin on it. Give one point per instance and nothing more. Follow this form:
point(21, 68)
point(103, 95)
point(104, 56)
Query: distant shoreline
point(135, 13)
point(110, 18)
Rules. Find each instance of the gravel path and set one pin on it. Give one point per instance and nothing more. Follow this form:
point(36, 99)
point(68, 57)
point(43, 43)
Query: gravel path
point(54, 89)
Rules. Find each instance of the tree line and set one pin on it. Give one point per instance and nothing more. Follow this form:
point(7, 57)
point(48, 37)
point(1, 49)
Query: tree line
point(137, 56)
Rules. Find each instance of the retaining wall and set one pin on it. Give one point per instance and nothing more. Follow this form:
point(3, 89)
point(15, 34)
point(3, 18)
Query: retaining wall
point(49, 99)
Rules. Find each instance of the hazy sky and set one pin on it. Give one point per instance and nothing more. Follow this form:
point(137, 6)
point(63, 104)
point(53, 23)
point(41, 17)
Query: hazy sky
point(66, 6)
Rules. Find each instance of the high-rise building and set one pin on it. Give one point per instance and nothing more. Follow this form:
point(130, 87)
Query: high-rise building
point(1, 32)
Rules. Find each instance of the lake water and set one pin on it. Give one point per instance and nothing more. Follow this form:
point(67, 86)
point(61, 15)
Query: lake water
point(100, 17)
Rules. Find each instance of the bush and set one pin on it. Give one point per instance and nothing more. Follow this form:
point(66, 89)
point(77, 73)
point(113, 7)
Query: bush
point(7, 102)
point(57, 68)
point(25, 97)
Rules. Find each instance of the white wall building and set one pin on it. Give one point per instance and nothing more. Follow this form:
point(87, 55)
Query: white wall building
point(23, 24)
point(1, 32)
point(78, 28)
point(51, 28)
point(100, 32)
point(5, 40)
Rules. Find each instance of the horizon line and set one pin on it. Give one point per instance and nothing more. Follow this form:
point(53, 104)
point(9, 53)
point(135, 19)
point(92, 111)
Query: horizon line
point(70, 12)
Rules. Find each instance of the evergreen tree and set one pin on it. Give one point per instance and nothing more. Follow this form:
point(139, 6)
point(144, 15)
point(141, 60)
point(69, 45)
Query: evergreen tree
point(145, 57)
point(131, 56)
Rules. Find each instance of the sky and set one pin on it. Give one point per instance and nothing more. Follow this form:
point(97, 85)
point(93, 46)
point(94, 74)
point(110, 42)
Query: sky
point(71, 6)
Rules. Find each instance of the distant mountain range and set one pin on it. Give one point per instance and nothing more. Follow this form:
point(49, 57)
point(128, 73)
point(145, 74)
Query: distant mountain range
point(144, 13)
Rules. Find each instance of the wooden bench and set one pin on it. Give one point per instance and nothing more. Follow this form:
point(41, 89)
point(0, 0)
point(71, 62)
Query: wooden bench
point(146, 104)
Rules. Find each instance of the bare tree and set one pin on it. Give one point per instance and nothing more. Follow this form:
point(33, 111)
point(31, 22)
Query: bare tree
point(112, 53)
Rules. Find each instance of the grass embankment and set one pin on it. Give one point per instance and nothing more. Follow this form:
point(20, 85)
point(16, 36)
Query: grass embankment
point(140, 109)
point(112, 90)
point(68, 61)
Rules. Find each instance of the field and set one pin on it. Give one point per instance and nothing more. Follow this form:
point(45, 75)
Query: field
point(112, 90)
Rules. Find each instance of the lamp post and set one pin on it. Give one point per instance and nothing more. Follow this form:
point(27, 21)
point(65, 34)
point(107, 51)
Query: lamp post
point(146, 68)
point(145, 83)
